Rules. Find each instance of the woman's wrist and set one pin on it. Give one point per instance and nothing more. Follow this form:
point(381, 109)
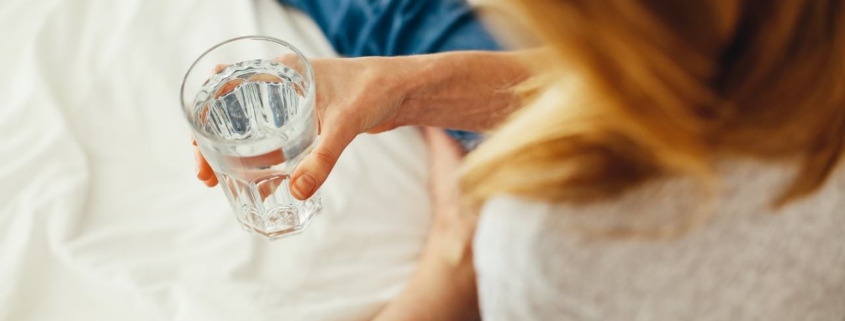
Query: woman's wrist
point(468, 90)
point(417, 75)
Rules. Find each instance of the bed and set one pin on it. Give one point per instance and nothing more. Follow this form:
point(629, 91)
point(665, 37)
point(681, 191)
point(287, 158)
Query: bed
point(101, 216)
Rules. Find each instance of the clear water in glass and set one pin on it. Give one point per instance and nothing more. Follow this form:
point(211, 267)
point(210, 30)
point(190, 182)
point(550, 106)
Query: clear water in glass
point(259, 126)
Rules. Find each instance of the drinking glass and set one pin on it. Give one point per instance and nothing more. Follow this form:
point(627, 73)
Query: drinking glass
point(250, 103)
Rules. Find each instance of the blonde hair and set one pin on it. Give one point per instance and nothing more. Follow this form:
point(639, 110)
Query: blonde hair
point(634, 89)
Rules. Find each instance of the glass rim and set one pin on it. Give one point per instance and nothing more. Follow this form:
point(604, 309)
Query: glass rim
point(182, 102)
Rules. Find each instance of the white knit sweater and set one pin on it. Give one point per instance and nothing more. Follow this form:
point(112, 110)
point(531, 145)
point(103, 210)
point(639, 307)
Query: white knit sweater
point(745, 261)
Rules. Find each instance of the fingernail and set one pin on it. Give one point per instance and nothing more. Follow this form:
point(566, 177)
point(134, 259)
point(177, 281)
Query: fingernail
point(304, 186)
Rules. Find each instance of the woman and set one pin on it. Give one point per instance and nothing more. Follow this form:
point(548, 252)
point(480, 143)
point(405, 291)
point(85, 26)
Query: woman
point(657, 160)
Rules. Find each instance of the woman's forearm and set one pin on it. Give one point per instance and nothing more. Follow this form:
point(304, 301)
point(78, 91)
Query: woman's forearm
point(436, 291)
point(443, 286)
point(470, 90)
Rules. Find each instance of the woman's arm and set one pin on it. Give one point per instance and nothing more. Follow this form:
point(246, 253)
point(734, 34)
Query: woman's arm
point(461, 90)
point(359, 28)
point(438, 290)
point(443, 285)
point(458, 90)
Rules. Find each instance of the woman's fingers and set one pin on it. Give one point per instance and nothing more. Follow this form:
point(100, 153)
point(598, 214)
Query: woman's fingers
point(340, 120)
point(211, 182)
point(445, 157)
point(220, 68)
point(204, 171)
point(315, 168)
point(201, 166)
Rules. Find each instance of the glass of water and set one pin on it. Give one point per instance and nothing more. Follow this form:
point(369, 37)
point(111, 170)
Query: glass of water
point(250, 104)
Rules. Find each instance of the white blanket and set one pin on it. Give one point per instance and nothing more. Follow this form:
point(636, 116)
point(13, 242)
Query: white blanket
point(101, 217)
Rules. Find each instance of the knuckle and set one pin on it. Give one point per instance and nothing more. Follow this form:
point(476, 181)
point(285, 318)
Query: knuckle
point(325, 157)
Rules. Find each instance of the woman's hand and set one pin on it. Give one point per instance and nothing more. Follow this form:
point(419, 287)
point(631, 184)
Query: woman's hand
point(459, 90)
point(353, 96)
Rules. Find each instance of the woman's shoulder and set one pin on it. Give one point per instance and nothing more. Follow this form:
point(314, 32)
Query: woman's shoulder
point(747, 186)
point(537, 251)
point(656, 200)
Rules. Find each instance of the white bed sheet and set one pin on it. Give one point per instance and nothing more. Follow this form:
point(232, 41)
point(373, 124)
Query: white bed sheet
point(101, 217)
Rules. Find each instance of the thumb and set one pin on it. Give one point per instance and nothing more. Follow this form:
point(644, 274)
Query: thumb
point(310, 174)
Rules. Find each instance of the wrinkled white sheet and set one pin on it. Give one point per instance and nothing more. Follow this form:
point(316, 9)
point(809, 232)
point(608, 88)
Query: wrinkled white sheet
point(101, 217)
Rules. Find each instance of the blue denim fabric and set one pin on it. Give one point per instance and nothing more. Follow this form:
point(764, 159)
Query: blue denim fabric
point(358, 28)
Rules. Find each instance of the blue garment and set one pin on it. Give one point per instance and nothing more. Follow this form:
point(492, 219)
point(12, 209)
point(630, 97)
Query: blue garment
point(397, 27)
point(358, 28)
